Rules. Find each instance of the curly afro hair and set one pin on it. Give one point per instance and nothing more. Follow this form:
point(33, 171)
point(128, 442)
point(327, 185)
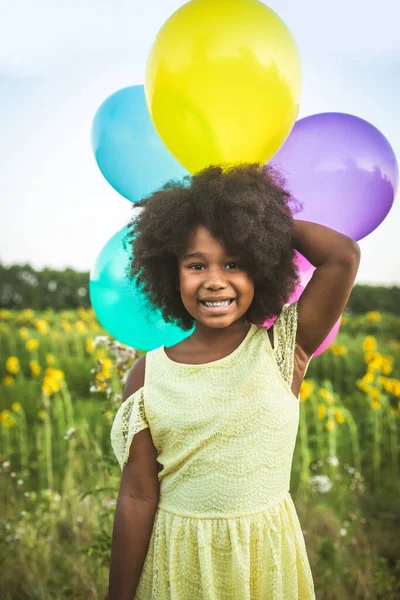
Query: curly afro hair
point(245, 207)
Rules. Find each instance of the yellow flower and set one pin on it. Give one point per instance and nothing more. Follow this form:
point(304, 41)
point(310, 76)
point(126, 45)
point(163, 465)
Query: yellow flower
point(338, 415)
point(80, 327)
point(368, 377)
point(327, 396)
point(374, 393)
point(106, 367)
point(24, 333)
point(375, 361)
point(42, 326)
point(321, 411)
point(81, 312)
point(66, 326)
point(50, 386)
point(386, 366)
point(52, 381)
point(41, 414)
point(375, 404)
point(32, 345)
point(56, 374)
point(7, 419)
point(330, 425)
point(16, 407)
point(306, 390)
point(8, 380)
point(89, 346)
point(35, 368)
point(371, 356)
point(369, 344)
point(5, 314)
point(374, 316)
point(109, 415)
point(27, 314)
point(100, 354)
point(337, 350)
point(50, 359)
point(12, 365)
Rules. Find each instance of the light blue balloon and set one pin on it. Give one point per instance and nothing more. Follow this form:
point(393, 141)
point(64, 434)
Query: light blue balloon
point(128, 150)
point(121, 307)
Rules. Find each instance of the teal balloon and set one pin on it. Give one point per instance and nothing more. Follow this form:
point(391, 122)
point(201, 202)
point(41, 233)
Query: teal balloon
point(128, 150)
point(121, 307)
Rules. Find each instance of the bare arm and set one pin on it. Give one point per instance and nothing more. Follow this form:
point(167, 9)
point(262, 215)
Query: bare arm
point(336, 258)
point(136, 506)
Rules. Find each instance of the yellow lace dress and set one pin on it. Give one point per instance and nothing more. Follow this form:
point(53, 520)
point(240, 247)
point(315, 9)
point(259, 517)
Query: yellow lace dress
point(226, 527)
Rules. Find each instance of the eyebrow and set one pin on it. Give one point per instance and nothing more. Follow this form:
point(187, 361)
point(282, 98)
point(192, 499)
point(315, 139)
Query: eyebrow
point(201, 255)
point(194, 255)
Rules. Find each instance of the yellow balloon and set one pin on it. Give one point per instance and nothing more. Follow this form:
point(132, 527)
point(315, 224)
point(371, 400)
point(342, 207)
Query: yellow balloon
point(223, 82)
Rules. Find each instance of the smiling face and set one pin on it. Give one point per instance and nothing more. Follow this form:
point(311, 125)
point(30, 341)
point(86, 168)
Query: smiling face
point(215, 290)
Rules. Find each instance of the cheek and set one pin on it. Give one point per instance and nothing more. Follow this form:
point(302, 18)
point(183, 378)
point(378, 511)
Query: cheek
point(187, 283)
point(247, 286)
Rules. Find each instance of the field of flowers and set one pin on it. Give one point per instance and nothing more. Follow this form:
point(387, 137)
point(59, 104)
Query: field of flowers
point(61, 381)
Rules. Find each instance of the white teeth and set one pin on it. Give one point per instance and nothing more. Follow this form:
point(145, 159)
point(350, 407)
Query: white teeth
point(225, 303)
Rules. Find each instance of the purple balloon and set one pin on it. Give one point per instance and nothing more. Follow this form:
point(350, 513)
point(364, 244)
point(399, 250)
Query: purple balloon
point(342, 169)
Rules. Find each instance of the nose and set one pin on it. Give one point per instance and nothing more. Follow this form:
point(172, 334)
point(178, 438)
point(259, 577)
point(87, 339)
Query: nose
point(216, 279)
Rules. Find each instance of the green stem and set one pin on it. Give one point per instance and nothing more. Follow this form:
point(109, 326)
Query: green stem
point(49, 457)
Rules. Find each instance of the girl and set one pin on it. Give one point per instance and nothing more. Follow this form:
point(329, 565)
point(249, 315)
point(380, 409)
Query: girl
point(206, 432)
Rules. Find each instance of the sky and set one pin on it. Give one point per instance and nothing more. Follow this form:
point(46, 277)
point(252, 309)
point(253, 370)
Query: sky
point(60, 60)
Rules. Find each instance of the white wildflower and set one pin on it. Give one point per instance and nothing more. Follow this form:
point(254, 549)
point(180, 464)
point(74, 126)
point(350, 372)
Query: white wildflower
point(100, 339)
point(333, 460)
point(320, 482)
point(70, 432)
point(343, 531)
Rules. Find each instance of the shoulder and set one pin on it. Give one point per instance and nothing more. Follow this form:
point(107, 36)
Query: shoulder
point(135, 379)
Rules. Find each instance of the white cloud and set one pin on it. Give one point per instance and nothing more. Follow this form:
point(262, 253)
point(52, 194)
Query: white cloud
point(41, 35)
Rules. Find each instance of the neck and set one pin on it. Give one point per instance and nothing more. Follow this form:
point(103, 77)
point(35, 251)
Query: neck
point(220, 335)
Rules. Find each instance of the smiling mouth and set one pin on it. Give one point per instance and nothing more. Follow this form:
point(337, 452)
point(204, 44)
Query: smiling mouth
point(217, 305)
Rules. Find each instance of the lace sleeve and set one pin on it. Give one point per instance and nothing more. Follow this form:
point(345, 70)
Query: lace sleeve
point(284, 330)
point(129, 420)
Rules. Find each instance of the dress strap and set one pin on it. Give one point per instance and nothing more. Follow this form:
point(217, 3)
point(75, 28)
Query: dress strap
point(284, 332)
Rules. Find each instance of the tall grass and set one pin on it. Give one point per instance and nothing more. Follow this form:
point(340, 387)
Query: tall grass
point(61, 384)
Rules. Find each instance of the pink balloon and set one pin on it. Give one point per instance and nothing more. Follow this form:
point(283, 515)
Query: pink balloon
point(295, 296)
point(329, 338)
point(305, 269)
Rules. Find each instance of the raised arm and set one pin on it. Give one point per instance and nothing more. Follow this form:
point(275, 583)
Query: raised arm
point(336, 258)
point(136, 506)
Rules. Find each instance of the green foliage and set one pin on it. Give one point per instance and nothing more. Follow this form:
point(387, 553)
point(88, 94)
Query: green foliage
point(60, 479)
point(21, 286)
point(365, 298)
